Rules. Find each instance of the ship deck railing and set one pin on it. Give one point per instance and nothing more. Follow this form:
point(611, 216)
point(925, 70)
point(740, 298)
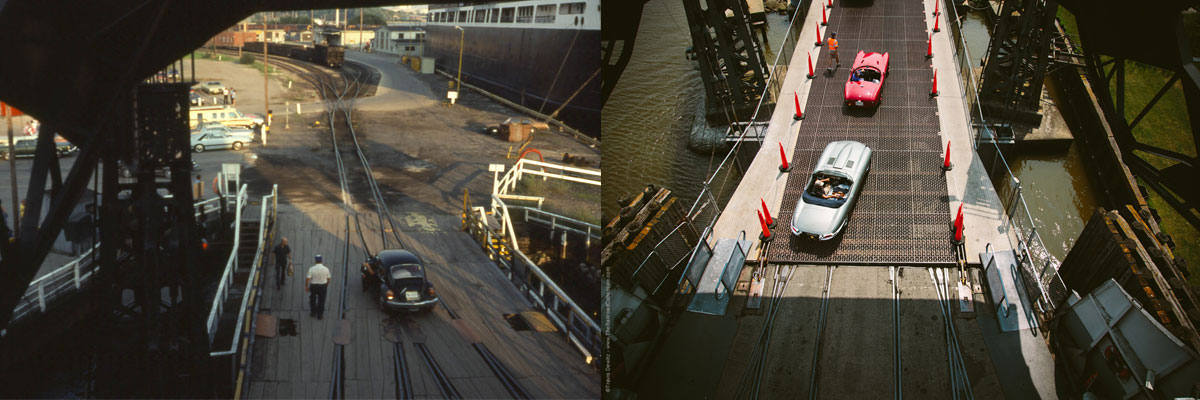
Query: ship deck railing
point(45, 291)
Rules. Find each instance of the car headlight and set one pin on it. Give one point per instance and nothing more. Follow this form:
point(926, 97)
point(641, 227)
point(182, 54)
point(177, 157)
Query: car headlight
point(430, 291)
point(391, 295)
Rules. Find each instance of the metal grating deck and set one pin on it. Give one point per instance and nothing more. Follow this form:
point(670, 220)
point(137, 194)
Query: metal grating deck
point(902, 214)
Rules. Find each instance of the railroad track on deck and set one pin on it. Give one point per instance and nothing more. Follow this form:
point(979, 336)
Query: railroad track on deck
point(339, 96)
point(400, 366)
point(439, 375)
point(510, 383)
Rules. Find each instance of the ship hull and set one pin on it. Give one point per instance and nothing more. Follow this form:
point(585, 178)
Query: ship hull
point(523, 66)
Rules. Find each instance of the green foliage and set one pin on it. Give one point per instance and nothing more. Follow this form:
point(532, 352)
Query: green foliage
point(1165, 126)
point(247, 58)
point(373, 19)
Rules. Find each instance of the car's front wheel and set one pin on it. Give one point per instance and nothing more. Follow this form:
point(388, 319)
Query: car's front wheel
point(237, 145)
point(198, 148)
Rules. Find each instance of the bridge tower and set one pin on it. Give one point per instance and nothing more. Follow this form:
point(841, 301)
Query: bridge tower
point(729, 56)
point(1116, 35)
point(153, 312)
point(1025, 47)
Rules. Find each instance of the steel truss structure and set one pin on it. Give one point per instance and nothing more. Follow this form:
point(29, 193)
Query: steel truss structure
point(730, 58)
point(1115, 33)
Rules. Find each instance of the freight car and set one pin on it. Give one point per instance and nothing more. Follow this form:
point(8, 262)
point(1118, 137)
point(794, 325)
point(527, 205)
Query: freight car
point(330, 56)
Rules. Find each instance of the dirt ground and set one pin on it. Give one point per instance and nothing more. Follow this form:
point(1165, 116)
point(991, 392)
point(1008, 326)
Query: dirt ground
point(249, 83)
point(422, 158)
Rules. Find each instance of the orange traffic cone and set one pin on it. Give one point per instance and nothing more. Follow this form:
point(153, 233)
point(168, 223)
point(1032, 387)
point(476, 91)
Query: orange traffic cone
point(934, 91)
point(946, 165)
point(929, 47)
point(783, 167)
point(766, 232)
point(767, 213)
point(824, 22)
point(819, 42)
point(810, 67)
point(799, 114)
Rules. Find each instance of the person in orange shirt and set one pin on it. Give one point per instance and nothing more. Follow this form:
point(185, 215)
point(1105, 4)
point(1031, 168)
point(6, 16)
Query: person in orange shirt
point(834, 61)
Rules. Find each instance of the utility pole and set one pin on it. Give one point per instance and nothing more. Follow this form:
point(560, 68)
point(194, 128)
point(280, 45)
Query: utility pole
point(266, 88)
point(461, 38)
point(12, 172)
point(360, 44)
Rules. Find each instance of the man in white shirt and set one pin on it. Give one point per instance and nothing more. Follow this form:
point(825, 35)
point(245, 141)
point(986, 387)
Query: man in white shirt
point(317, 285)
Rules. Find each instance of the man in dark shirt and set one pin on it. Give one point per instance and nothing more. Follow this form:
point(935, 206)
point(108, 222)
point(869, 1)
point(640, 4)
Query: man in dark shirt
point(283, 257)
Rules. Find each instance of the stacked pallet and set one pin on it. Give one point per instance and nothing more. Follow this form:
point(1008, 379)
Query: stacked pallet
point(1122, 246)
point(647, 245)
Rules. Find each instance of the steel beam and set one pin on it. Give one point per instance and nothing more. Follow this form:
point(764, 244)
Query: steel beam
point(22, 262)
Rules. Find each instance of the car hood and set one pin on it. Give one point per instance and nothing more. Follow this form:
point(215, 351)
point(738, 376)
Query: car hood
point(861, 90)
point(814, 219)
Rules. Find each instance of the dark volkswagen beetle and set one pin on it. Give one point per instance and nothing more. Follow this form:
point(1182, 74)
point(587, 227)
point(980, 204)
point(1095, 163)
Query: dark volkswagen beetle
point(399, 280)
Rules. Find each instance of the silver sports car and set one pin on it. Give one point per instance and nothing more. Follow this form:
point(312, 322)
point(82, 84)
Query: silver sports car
point(831, 191)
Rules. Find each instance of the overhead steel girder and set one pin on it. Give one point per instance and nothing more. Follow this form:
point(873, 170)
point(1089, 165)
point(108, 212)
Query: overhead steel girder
point(1150, 33)
point(21, 260)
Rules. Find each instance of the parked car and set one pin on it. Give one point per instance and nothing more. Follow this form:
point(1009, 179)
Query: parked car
point(399, 280)
point(196, 99)
point(26, 147)
point(255, 117)
point(212, 87)
point(866, 79)
point(217, 140)
point(833, 188)
point(210, 127)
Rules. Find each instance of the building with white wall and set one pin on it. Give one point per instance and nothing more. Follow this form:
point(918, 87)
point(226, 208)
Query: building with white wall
point(402, 40)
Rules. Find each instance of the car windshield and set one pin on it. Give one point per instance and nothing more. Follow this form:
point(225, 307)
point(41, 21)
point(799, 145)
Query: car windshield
point(404, 271)
point(827, 190)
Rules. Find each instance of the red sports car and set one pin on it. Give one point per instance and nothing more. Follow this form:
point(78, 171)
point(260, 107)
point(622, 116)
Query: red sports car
point(866, 79)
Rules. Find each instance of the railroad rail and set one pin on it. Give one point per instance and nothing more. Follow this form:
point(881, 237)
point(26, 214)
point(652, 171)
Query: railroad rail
point(510, 383)
point(400, 367)
point(439, 375)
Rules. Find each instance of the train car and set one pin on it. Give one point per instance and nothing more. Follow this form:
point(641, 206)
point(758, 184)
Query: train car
point(321, 54)
point(330, 56)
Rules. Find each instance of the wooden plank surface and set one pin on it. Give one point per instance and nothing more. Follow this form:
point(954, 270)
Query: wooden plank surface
point(301, 366)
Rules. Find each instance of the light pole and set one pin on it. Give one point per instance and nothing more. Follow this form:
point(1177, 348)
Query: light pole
point(460, 54)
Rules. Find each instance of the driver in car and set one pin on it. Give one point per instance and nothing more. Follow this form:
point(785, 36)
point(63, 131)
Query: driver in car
point(826, 190)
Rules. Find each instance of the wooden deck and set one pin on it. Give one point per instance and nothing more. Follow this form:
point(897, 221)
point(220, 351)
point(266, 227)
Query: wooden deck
point(300, 366)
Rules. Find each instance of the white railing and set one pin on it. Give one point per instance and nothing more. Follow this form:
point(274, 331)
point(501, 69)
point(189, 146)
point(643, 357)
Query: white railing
point(556, 222)
point(508, 182)
point(503, 186)
point(222, 294)
point(252, 279)
point(47, 289)
point(580, 329)
point(1031, 250)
